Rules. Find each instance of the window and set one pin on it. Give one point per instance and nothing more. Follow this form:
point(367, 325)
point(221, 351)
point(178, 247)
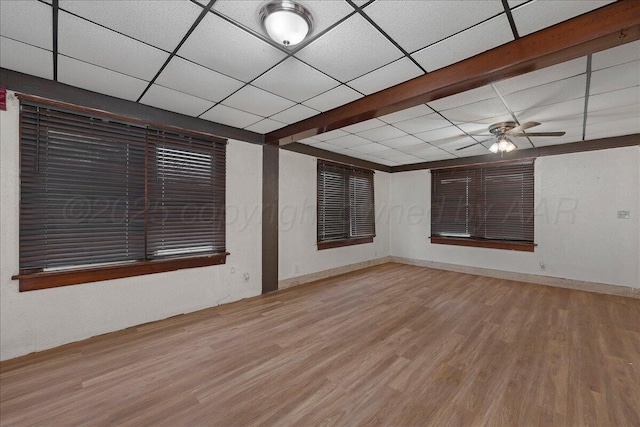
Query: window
point(102, 198)
point(345, 205)
point(488, 205)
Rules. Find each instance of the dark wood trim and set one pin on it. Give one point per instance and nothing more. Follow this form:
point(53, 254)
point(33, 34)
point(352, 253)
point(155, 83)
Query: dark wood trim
point(48, 89)
point(592, 32)
point(477, 243)
point(551, 150)
point(328, 244)
point(54, 16)
point(270, 211)
point(334, 157)
point(524, 161)
point(54, 279)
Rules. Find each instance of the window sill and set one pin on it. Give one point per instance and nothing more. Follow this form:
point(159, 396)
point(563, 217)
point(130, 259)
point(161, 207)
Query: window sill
point(328, 244)
point(492, 244)
point(54, 279)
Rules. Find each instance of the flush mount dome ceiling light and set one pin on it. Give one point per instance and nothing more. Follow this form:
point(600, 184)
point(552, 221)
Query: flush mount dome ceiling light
point(286, 22)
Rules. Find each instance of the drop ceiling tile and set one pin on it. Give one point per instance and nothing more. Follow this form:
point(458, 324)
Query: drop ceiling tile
point(257, 101)
point(201, 82)
point(334, 98)
point(536, 15)
point(295, 80)
point(371, 147)
point(616, 56)
point(223, 47)
point(295, 114)
point(422, 124)
point(247, 13)
point(140, 19)
point(405, 159)
point(466, 44)
point(349, 141)
point(409, 113)
point(309, 141)
point(560, 124)
point(614, 114)
point(435, 154)
point(611, 100)
point(25, 58)
point(388, 154)
point(382, 133)
point(390, 75)
point(552, 112)
point(463, 98)
point(362, 126)
point(551, 93)
point(97, 79)
point(349, 50)
point(172, 100)
point(419, 149)
point(416, 24)
point(265, 126)
point(478, 150)
point(91, 43)
point(388, 162)
point(476, 111)
point(452, 144)
point(626, 126)
point(403, 141)
point(230, 116)
point(440, 134)
point(546, 75)
point(332, 134)
point(482, 126)
point(29, 22)
point(326, 146)
point(615, 78)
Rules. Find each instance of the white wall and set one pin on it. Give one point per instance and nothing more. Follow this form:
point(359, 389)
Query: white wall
point(298, 253)
point(576, 229)
point(37, 320)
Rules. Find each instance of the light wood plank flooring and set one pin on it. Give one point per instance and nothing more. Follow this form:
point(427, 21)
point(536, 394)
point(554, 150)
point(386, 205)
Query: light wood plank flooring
point(393, 345)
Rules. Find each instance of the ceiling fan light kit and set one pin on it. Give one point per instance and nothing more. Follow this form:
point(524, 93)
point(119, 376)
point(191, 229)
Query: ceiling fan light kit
point(286, 22)
point(502, 131)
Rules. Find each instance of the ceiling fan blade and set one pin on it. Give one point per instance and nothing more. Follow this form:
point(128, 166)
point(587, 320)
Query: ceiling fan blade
point(523, 126)
point(538, 134)
point(476, 143)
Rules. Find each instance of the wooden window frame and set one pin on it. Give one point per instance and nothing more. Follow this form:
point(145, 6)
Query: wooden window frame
point(474, 241)
point(350, 241)
point(34, 279)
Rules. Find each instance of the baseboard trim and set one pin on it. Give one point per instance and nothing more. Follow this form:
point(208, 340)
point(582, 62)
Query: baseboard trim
point(580, 285)
point(312, 277)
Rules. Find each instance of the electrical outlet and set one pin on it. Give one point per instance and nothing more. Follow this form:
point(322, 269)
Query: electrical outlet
point(623, 214)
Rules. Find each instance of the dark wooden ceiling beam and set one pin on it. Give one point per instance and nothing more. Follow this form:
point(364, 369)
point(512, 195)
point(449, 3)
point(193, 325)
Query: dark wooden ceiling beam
point(604, 28)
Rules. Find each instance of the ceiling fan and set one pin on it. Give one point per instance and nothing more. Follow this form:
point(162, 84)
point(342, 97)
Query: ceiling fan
point(503, 130)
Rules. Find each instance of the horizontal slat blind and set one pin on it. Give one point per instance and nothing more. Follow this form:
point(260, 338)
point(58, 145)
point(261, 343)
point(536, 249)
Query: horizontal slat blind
point(345, 202)
point(82, 190)
point(493, 202)
point(186, 192)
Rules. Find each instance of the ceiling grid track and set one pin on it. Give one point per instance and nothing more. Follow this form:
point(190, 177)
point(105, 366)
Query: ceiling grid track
point(586, 98)
point(512, 23)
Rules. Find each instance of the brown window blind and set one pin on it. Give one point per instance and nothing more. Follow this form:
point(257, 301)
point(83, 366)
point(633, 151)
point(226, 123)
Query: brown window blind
point(490, 202)
point(96, 191)
point(345, 202)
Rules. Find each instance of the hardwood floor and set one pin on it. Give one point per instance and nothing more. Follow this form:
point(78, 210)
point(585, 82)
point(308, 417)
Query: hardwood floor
point(393, 345)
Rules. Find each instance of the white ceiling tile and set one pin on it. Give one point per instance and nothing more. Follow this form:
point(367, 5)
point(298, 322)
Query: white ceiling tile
point(334, 98)
point(295, 114)
point(326, 146)
point(615, 99)
point(552, 111)
point(419, 149)
point(349, 50)
point(477, 150)
point(349, 141)
point(403, 141)
point(463, 98)
point(332, 134)
point(476, 111)
point(409, 113)
point(371, 147)
point(382, 133)
point(247, 13)
point(561, 124)
point(404, 159)
point(141, 20)
point(362, 126)
point(223, 47)
point(452, 144)
point(539, 14)
point(615, 78)
point(265, 126)
point(614, 114)
point(309, 141)
point(29, 22)
point(387, 162)
point(169, 99)
point(422, 124)
point(257, 101)
point(388, 154)
point(97, 79)
point(201, 82)
point(466, 44)
point(482, 126)
point(626, 126)
point(435, 154)
point(416, 24)
point(551, 93)
point(25, 58)
point(295, 80)
point(91, 43)
point(390, 75)
point(618, 55)
point(440, 134)
point(230, 116)
point(543, 76)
